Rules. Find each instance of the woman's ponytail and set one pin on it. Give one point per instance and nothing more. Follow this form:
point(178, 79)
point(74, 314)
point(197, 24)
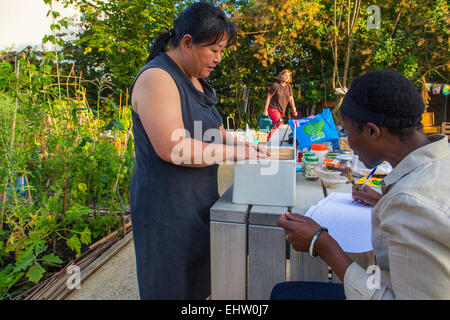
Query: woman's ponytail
point(159, 44)
point(206, 24)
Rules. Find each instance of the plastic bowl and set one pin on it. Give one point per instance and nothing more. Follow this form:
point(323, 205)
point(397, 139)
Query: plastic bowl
point(331, 178)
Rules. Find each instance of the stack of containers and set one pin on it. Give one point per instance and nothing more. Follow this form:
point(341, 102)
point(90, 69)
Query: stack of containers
point(320, 150)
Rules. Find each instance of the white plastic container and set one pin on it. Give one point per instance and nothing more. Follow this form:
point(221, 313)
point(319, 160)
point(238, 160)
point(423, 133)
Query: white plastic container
point(268, 182)
point(331, 179)
point(320, 150)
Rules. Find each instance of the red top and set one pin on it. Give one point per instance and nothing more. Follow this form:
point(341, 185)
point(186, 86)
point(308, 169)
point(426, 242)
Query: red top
point(319, 147)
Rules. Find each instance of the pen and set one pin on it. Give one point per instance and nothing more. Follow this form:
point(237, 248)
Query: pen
point(368, 178)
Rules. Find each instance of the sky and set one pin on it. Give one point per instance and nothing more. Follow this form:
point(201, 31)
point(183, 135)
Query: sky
point(24, 22)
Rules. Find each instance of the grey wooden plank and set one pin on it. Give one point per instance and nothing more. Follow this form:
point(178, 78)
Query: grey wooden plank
point(303, 266)
point(228, 261)
point(265, 215)
point(306, 268)
point(267, 260)
point(227, 211)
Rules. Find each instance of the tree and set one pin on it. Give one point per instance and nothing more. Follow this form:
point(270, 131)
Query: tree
point(326, 43)
point(117, 36)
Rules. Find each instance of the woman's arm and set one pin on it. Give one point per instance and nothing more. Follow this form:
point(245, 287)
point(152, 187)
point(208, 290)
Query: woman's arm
point(157, 101)
point(266, 105)
point(292, 102)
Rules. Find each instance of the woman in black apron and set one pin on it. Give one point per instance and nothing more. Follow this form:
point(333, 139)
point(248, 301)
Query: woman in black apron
point(179, 141)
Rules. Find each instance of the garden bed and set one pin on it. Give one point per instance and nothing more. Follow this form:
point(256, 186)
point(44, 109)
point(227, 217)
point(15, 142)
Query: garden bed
point(65, 172)
point(62, 283)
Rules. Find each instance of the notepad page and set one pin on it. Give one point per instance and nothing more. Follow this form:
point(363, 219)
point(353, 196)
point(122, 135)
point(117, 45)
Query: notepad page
point(350, 224)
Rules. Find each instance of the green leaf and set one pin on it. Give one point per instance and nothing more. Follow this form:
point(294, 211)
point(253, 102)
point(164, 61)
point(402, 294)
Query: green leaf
point(25, 260)
point(8, 278)
point(85, 236)
point(84, 141)
point(51, 259)
point(74, 244)
point(113, 124)
point(46, 68)
point(35, 273)
point(6, 67)
point(115, 107)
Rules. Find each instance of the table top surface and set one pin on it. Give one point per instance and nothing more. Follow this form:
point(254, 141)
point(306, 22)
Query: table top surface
point(308, 193)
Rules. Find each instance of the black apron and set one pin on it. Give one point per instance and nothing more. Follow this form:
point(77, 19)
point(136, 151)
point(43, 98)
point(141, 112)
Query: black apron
point(170, 204)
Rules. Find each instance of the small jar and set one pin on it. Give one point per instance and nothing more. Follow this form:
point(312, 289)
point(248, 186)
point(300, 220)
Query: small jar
point(345, 161)
point(300, 156)
point(311, 165)
point(333, 155)
point(330, 162)
point(306, 154)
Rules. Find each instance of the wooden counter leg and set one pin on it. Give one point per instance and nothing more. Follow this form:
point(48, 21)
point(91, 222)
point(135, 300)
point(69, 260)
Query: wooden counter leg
point(267, 260)
point(306, 268)
point(228, 261)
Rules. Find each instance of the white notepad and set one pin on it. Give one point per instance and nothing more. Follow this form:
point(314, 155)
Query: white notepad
point(348, 223)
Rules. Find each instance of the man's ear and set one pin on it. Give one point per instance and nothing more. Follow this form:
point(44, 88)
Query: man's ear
point(373, 130)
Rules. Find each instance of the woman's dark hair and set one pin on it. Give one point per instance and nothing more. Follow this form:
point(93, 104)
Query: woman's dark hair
point(385, 98)
point(206, 24)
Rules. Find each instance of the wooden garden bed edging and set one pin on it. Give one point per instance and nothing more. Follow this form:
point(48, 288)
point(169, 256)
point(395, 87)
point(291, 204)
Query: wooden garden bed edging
point(55, 287)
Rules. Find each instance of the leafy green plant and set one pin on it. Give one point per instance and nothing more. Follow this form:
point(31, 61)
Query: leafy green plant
point(75, 166)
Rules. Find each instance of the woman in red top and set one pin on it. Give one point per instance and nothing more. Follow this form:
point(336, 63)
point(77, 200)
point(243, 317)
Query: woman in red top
point(280, 94)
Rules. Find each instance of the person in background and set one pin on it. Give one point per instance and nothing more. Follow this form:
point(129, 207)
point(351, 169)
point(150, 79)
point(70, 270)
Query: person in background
point(179, 140)
point(279, 96)
point(381, 114)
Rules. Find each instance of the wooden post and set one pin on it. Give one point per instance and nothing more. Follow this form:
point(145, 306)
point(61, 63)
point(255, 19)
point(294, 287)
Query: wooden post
point(228, 229)
point(267, 251)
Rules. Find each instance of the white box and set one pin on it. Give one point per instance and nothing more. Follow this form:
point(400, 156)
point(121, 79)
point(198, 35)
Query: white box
point(266, 182)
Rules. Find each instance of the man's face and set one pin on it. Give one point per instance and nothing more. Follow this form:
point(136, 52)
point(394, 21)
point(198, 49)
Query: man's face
point(361, 144)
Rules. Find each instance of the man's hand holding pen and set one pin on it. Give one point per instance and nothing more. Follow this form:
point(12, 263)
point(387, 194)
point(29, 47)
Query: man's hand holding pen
point(366, 196)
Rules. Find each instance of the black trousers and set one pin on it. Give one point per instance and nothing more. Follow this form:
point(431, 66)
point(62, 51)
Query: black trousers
point(307, 290)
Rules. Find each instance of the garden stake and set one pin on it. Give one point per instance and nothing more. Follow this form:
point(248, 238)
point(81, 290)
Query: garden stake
point(28, 189)
point(65, 195)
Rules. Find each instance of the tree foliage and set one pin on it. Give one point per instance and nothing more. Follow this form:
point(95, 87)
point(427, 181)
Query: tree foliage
point(326, 43)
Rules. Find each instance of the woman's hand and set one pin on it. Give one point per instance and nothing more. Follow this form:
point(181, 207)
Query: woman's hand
point(251, 151)
point(367, 196)
point(259, 148)
point(299, 230)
